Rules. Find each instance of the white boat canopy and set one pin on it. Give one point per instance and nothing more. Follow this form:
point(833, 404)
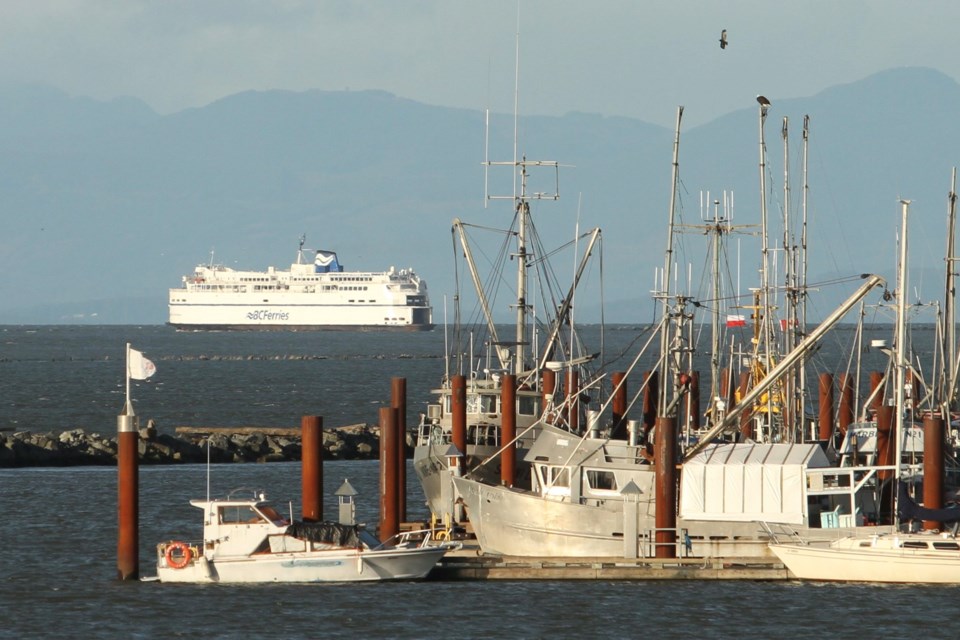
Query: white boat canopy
point(749, 482)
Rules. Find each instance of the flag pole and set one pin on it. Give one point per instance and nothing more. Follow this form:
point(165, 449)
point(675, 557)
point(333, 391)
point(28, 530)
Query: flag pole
point(127, 405)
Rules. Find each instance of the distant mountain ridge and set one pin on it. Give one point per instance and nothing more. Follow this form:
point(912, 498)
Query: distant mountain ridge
point(107, 204)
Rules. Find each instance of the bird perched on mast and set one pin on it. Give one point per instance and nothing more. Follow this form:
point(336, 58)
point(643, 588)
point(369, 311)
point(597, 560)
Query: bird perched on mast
point(723, 39)
point(763, 101)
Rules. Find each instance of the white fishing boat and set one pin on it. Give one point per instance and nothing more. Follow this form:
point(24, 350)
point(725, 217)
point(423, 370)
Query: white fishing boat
point(249, 541)
point(316, 293)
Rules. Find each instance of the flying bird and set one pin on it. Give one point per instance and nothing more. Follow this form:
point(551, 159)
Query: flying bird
point(763, 101)
point(723, 39)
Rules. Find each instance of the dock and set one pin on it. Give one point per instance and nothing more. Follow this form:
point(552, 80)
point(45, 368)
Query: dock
point(469, 564)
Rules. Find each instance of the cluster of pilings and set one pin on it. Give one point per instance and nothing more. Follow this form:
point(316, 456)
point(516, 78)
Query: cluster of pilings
point(934, 431)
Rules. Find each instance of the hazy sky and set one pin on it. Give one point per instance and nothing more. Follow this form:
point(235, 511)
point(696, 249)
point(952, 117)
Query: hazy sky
point(614, 57)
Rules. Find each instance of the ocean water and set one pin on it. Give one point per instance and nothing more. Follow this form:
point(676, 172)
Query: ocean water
point(59, 526)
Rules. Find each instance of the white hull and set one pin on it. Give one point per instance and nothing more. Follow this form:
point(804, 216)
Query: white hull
point(291, 312)
point(318, 566)
point(875, 559)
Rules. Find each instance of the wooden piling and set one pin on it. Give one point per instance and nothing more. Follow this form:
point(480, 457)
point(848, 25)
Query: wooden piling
point(389, 517)
point(311, 469)
point(826, 407)
point(934, 473)
point(128, 499)
point(458, 407)
point(665, 458)
point(508, 429)
point(398, 400)
point(619, 419)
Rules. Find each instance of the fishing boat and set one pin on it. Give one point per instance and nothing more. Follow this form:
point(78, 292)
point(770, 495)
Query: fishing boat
point(249, 541)
point(479, 358)
point(316, 293)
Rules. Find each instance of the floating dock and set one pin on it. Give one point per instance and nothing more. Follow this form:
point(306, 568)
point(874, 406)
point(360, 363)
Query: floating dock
point(468, 564)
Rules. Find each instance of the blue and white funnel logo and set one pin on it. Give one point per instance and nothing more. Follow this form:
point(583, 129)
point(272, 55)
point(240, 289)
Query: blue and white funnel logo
point(326, 262)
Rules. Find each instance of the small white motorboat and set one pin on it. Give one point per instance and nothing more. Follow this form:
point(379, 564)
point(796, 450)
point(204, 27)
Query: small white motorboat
point(249, 541)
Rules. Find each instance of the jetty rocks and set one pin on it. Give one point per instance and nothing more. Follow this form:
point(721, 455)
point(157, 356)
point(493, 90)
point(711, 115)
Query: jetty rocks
point(244, 444)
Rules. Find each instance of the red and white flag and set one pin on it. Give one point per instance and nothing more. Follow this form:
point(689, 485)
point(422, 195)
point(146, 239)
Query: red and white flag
point(736, 321)
point(139, 367)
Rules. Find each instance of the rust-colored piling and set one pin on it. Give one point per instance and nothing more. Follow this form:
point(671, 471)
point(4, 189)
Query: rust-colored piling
point(933, 468)
point(508, 429)
point(458, 407)
point(128, 498)
point(826, 407)
point(311, 469)
point(845, 414)
point(693, 402)
point(572, 390)
point(665, 458)
point(746, 418)
point(619, 405)
point(651, 392)
point(389, 518)
point(398, 400)
point(885, 441)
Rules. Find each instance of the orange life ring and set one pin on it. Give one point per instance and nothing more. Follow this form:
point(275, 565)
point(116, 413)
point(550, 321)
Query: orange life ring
point(186, 554)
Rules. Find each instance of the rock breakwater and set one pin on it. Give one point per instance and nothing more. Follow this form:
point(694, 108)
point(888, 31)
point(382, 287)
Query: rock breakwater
point(79, 448)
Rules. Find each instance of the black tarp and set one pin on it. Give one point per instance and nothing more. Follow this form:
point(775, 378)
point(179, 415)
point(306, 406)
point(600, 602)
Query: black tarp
point(344, 535)
point(910, 510)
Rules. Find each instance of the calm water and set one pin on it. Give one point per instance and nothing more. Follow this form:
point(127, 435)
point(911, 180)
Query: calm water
point(58, 565)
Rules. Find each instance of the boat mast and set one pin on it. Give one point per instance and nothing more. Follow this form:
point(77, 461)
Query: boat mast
point(764, 303)
point(950, 301)
point(802, 289)
point(793, 409)
point(900, 372)
point(665, 380)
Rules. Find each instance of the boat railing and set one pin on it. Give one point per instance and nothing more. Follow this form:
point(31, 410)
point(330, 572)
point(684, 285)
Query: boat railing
point(680, 542)
point(420, 538)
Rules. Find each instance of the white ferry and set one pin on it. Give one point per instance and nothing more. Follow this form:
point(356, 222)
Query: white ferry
point(313, 295)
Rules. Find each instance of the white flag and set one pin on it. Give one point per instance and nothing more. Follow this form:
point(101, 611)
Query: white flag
point(140, 367)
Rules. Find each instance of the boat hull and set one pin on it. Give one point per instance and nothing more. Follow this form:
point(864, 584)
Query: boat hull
point(339, 566)
point(894, 565)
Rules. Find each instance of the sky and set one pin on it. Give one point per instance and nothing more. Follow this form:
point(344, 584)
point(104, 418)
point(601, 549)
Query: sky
point(611, 57)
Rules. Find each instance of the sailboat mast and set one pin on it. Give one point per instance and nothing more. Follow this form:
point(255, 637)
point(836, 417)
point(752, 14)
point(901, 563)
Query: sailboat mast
point(901, 362)
point(665, 382)
point(802, 288)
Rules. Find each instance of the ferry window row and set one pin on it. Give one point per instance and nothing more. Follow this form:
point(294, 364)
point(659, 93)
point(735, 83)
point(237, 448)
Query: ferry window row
point(355, 279)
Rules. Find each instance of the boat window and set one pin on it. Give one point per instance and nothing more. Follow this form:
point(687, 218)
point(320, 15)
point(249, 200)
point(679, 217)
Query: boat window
point(481, 403)
point(914, 544)
point(241, 514)
point(527, 406)
point(946, 546)
point(601, 480)
point(560, 476)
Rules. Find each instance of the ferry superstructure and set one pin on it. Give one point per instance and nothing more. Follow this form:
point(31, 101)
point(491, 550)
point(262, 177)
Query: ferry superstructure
point(313, 295)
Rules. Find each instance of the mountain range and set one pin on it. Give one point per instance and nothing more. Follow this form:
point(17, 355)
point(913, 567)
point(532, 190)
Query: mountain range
point(108, 204)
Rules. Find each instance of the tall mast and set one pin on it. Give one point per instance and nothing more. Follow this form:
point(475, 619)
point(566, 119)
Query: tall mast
point(763, 312)
point(791, 386)
point(901, 347)
point(802, 288)
point(950, 299)
point(665, 382)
